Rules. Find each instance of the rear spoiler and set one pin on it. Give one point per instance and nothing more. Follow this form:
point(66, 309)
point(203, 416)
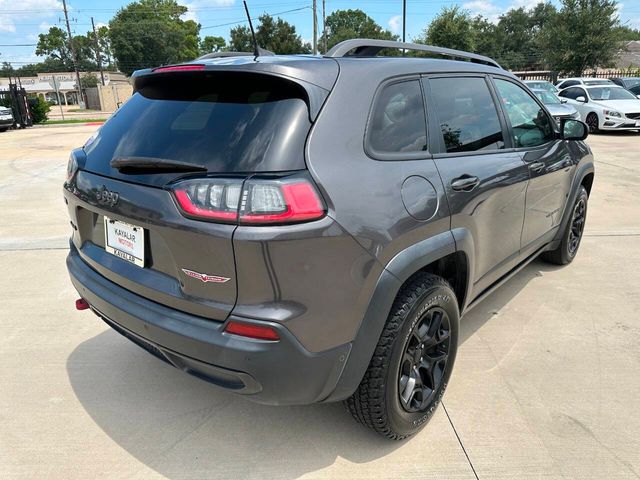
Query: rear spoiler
point(316, 95)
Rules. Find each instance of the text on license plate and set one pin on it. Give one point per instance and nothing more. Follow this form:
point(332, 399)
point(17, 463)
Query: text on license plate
point(124, 240)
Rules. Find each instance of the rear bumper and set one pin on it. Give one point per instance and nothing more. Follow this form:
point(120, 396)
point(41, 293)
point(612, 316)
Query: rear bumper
point(276, 373)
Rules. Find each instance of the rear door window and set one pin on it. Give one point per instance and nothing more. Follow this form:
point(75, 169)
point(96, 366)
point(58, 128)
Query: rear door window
point(398, 122)
point(467, 114)
point(226, 122)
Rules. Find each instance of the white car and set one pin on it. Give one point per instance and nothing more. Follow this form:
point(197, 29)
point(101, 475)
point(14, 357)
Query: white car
point(572, 82)
point(605, 107)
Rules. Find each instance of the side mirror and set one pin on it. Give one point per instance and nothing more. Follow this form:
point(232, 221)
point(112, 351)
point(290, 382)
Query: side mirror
point(563, 100)
point(638, 96)
point(573, 129)
point(581, 99)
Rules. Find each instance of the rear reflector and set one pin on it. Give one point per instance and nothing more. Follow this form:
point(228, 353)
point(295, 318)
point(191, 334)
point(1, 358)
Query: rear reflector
point(259, 332)
point(81, 304)
point(178, 68)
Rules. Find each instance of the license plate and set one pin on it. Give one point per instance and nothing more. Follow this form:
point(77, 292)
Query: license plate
point(124, 240)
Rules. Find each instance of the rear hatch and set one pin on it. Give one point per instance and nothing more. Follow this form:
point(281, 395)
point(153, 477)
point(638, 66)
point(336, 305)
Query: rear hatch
point(177, 126)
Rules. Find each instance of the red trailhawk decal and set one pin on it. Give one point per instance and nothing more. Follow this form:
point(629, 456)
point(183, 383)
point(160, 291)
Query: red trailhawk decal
point(204, 277)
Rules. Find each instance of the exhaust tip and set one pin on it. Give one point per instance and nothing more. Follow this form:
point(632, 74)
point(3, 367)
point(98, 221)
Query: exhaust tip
point(81, 304)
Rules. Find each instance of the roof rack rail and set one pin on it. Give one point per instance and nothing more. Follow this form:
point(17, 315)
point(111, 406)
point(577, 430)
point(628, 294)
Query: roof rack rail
point(232, 54)
point(362, 47)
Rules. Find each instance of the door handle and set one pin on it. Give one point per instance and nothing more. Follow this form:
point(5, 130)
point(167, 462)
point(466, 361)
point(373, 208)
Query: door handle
point(537, 166)
point(465, 183)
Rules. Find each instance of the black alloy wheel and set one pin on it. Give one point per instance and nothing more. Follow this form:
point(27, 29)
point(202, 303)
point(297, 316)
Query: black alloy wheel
point(577, 225)
point(424, 360)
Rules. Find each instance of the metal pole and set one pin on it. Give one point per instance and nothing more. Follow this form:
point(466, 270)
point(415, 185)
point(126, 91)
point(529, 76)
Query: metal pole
point(55, 87)
point(324, 26)
point(315, 27)
point(73, 51)
point(98, 59)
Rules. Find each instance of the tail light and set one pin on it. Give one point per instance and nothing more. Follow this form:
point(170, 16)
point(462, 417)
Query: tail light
point(250, 202)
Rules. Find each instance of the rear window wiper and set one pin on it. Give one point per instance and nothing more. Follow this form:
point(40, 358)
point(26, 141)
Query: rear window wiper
point(150, 164)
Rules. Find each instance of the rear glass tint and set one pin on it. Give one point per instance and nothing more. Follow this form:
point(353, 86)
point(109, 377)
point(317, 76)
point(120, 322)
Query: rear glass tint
point(225, 122)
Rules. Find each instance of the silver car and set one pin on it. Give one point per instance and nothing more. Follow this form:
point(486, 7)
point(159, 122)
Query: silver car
point(541, 85)
point(559, 109)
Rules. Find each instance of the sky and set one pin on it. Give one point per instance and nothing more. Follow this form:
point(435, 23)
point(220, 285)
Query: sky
point(21, 21)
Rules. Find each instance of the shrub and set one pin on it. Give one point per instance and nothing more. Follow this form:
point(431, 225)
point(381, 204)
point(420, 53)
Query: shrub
point(40, 110)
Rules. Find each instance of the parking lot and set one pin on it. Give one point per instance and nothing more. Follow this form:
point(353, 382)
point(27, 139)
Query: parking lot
point(546, 383)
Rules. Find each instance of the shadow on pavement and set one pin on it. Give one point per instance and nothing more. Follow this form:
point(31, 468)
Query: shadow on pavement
point(184, 427)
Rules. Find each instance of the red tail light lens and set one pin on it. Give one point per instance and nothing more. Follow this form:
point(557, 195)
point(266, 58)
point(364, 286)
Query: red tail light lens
point(250, 202)
point(213, 199)
point(250, 330)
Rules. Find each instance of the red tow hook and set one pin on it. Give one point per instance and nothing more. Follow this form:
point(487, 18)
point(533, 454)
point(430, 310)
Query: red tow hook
point(81, 304)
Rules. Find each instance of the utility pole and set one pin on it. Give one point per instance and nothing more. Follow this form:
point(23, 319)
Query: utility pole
point(73, 53)
point(324, 25)
point(315, 27)
point(98, 59)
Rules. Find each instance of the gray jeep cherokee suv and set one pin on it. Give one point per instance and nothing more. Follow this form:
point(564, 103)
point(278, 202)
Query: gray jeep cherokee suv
point(303, 229)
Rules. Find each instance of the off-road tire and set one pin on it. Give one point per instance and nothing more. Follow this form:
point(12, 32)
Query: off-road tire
point(376, 403)
point(565, 253)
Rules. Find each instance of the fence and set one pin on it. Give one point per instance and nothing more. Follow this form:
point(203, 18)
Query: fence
point(600, 73)
point(108, 98)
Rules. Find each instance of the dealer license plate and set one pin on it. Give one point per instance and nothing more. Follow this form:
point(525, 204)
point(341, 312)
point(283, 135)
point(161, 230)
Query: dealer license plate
point(124, 240)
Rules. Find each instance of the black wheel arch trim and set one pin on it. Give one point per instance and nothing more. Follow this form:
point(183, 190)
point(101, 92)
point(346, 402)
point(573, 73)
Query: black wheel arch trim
point(399, 269)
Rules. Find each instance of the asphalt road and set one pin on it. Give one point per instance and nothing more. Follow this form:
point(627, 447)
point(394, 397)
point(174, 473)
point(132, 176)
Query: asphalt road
point(546, 383)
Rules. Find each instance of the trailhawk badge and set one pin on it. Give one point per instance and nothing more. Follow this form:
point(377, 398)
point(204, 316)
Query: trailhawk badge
point(204, 277)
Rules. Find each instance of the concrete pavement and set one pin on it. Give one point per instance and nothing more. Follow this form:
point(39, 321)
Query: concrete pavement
point(546, 381)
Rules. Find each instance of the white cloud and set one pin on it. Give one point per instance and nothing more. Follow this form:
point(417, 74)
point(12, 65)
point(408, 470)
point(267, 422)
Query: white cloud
point(195, 5)
point(44, 26)
point(28, 9)
point(395, 23)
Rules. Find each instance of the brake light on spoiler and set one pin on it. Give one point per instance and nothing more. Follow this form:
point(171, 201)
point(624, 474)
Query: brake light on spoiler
point(179, 68)
point(254, 201)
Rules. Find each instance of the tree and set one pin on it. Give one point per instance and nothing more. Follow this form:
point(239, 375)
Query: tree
point(627, 34)
point(104, 42)
point(276, 35)
point(148, 33)
point(346, 24)
point(212, 44)
point(88, 80)
point(452, 28)
point(583, 36)
point(55, 46)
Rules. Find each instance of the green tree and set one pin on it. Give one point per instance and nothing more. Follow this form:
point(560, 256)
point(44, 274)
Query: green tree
point(452, 28)
point(627, 34)
point(583, 36)
point(272, 34)
point(212, 44)
point(346, 24)
point(55, 46)
point(88, 80)
point(148, 33)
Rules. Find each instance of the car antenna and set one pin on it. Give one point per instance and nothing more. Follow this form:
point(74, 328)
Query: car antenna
point(256, 48)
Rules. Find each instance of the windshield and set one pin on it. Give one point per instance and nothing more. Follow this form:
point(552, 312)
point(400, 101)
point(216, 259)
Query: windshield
point(547, 98)
point(610, 93)
point(542, 86)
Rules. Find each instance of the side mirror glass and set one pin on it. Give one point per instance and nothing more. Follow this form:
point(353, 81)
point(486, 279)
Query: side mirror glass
point(581, 99)
point(574, 129)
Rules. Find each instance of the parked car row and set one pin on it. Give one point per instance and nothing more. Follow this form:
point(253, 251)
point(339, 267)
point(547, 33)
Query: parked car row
point(603, 104)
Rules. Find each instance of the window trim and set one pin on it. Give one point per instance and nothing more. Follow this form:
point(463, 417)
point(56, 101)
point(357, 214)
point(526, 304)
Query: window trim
point(395, 156)
point(553, 123)
point(441, 151)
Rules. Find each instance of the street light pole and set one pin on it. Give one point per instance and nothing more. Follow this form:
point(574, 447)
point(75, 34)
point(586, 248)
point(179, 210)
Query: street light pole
point(315, 27)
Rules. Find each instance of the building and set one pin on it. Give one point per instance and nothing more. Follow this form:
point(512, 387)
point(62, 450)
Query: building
point(60, 87)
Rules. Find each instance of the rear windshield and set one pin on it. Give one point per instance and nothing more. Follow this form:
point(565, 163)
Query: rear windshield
point(223, 121)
